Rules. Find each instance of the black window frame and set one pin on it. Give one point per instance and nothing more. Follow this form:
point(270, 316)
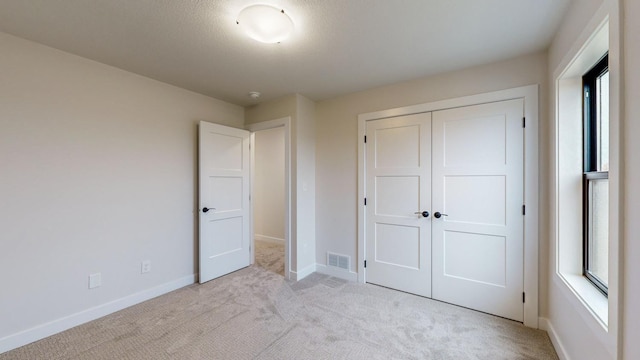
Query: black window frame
point(590, 166)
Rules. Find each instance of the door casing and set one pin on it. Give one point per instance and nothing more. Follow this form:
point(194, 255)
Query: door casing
point(531, 189)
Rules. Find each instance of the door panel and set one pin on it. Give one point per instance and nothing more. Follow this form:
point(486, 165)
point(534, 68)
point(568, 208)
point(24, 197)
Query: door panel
point(397, 146)
point(461, 258)
point(219, 246)
point(227, 193)
point(397, 245)
point(471, 140)
point(224, 191)
point(479, 207)
point(477, 180)
point(398, 163)
point(396, 195)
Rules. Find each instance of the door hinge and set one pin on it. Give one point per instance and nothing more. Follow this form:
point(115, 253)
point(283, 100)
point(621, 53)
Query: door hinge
point(523, 297)
point(365, 263)
point(524, 122)
point(524, 211)
point(365, 139)
point(365, 201)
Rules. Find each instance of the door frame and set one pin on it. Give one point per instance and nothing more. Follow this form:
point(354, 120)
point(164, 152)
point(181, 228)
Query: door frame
point(266, 125)
point(531, 169)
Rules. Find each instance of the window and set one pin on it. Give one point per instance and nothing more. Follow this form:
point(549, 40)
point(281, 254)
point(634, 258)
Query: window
point(596, 175)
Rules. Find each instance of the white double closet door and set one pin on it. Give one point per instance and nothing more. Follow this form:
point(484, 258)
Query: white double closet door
point(463, 166)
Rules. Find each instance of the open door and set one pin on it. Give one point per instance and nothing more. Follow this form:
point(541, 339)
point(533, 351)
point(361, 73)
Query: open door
point(224, 168)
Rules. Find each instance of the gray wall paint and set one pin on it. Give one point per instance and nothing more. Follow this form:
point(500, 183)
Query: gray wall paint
point(98, 173)
point(630, 312)
point(86, 150)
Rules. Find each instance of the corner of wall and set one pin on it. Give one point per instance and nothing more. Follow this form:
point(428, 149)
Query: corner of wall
point(306, 180)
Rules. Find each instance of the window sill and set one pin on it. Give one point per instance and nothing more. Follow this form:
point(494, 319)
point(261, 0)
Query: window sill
point(593, 300)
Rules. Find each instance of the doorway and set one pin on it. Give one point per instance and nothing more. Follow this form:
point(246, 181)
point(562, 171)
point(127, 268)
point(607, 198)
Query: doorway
point(270, 202)
point(226, 167)
point(268, 199)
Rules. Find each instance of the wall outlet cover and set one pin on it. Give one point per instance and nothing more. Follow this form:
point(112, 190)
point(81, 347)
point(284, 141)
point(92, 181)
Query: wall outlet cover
point(146, 267)
point(95, 280)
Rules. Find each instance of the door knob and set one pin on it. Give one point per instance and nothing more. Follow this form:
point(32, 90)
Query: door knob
point(423, 213)
point(437, 215)
point(205, 209)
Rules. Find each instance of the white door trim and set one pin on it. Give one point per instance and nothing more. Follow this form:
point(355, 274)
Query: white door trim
point(265, 125)
point(531, 190)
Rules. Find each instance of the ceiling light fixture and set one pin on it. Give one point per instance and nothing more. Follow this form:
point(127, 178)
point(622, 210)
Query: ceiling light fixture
point(265, 23)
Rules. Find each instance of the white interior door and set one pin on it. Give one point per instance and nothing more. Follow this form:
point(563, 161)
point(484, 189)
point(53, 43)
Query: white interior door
point(398, 162)
point(224, 200)
point(477, 181)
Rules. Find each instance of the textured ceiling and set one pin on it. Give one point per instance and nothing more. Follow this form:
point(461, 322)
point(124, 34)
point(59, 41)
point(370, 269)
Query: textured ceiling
point(339, 46)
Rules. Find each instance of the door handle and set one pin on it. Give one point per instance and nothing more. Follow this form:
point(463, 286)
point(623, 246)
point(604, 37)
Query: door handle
point(437, 215)
point(423, 213)
point(205, 209)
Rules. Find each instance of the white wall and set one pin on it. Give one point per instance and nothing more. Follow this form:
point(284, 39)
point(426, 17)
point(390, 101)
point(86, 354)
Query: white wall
point(631, 176)
point(305, 145)
point(336, 139)
point(98, 172)
point(269, 195)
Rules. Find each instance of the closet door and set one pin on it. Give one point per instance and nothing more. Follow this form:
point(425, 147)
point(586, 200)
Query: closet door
point(477, 187)
point(398, 174)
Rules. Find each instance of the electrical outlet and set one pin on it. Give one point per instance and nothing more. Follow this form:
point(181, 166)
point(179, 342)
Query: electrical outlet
point(95, 280)
point(146, 267)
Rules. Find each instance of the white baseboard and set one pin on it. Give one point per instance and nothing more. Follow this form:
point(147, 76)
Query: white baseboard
point(53, 327)
point(546, 325)
point(337, 272)
point(301, 274)
point(266, 238)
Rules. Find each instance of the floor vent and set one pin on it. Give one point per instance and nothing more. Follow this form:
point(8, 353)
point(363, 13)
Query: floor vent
point(339, 261)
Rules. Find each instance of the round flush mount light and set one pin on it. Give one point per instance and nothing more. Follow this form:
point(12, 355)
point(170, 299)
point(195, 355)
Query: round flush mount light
point(265, 23)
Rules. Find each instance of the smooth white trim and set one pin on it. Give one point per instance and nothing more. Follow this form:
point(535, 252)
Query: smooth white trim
point(578, 296)
point(500, 95)
point(299, 275)
point(531, 189)
point(337, 272)
point(545, 324)
point(362, 193)
point(595, 306)
point(270, 239)
point(599, 18)
point(266, 125)
point(53, 327)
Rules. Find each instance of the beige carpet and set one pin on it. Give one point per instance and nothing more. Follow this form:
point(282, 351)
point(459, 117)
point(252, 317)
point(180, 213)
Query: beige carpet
point(256, 314)
point(270, 256)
